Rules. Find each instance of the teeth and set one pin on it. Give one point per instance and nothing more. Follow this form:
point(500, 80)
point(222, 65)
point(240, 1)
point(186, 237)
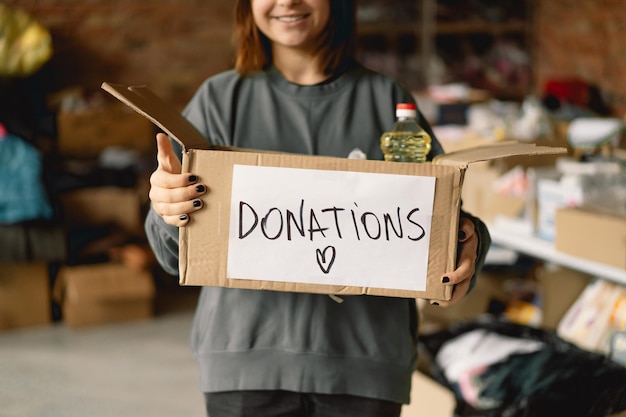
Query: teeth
point(290, 18)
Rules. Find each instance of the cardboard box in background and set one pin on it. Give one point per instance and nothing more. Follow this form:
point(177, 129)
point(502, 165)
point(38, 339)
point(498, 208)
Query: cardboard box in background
point(480, 199)
point(559, 288)
point(592, 235)
point(24, 295)
point(85, 133)
point(428, 398)
point(204, 242)
point(103, 205)
point(104, 293)
point(553, 195)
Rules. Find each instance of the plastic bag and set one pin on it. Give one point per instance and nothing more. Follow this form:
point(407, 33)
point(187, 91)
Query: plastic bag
point(22, 194)
point(557, 379)
point(25, 45)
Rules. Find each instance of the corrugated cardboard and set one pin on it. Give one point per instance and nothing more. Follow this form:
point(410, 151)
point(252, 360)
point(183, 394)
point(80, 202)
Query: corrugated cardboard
point(592, 235)
point(204, 241)
point(480, 199)
point(428, 398)
point(24, 295)
point(103, 293)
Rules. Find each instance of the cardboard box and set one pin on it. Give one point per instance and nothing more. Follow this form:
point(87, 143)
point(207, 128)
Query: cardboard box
point(551, 196)
point(559, 288)
point(480, 199)
point(592, 235)
point(429, 398)
point(103, 205)
point(86, 133)
point(24, 295)
point(103, 293)
point(211, 252)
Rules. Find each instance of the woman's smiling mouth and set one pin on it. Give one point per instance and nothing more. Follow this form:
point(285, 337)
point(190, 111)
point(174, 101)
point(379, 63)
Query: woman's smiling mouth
point(291, 19)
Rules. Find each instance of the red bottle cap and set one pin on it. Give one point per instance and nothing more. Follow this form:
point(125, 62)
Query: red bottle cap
point(406, 110)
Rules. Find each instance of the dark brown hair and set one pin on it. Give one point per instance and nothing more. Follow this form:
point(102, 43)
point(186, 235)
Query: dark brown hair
point(337, 47)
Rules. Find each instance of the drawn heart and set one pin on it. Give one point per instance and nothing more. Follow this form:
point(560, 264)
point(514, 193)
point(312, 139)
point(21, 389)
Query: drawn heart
point(326, 262)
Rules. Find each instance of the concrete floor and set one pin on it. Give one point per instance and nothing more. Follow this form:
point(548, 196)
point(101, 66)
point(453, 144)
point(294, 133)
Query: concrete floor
point(139, 369)
point(142, 368)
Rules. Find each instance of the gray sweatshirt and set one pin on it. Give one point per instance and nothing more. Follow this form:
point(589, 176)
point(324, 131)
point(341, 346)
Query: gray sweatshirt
point(265, 340)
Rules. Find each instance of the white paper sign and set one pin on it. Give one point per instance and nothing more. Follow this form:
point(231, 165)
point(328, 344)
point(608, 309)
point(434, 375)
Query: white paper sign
point(330, 227)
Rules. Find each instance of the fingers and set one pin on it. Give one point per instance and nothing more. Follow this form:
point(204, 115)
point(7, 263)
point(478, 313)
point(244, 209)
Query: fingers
point(175, 205)
point(466, 229)
point(174, 195)
point(168, 173)
point(460, 278)
point(174, 190)
point(166, 158)
point(177, 208)
point(178, 221)
point(459, 291)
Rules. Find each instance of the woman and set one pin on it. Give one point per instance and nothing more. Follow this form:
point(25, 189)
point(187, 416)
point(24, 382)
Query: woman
point(296, 88)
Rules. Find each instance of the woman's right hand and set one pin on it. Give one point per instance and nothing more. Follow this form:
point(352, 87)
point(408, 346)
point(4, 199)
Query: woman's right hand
point(174, 195)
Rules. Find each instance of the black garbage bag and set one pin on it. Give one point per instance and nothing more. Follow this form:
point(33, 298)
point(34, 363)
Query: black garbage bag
point(552, 378)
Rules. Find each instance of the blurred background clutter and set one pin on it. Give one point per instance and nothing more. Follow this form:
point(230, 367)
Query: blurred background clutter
point(74, 167)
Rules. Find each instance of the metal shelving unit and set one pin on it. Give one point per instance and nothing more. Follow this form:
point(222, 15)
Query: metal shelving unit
point(414, 33)
point(544, 250)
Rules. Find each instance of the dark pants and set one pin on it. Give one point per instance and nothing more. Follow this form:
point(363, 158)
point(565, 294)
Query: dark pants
point(293, 404)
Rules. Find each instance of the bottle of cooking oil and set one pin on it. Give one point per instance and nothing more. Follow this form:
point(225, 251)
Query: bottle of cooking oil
point(407, 141)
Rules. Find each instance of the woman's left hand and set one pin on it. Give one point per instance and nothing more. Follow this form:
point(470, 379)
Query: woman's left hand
point(461, 277)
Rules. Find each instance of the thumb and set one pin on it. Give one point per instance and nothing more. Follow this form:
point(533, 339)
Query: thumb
point(166, 158)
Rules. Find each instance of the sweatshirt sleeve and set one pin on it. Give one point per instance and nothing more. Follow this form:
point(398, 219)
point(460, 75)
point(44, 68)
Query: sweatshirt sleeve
point(163, 239)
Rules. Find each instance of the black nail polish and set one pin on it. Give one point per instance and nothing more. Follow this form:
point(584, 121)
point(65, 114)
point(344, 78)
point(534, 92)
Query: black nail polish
point(200, 188)
point(183, 217)
point(435, 303)
point(197, 203)
point(445, 280)
point(462, 235)
point(193, 178)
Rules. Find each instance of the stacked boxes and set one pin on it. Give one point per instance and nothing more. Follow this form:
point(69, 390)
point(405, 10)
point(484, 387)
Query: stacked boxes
point(24, 295)
point(592, 235)
point(104, 293)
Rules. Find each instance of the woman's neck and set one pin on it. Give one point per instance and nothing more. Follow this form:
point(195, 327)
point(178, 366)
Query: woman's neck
point(299, 67)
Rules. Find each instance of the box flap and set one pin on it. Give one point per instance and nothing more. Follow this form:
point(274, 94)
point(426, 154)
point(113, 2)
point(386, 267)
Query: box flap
point(462, 158)
point(145, 102)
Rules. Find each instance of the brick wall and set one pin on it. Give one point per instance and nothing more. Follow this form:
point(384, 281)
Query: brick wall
point(172, 45)
point(584, 39)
